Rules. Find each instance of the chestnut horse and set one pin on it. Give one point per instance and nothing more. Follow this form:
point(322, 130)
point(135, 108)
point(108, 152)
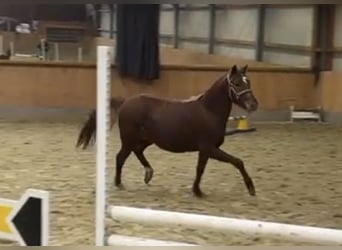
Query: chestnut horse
point(194, 125)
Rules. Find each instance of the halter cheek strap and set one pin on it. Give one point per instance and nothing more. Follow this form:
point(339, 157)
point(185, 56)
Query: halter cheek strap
point(236, 93)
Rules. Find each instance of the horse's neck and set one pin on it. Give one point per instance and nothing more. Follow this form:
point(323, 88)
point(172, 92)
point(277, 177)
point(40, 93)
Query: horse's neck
point(217, 100)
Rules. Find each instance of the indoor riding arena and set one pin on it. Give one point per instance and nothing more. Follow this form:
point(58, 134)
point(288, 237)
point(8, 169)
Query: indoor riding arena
point(294, 163)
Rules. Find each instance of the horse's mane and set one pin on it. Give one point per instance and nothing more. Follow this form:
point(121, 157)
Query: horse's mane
point(200, 96)
point(192, 98)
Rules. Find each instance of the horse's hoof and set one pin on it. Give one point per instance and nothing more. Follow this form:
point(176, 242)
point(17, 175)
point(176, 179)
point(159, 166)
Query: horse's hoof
point(199, 194)
point(120, 186)
point(148, 175)
point(252, 192)
point(250, 187)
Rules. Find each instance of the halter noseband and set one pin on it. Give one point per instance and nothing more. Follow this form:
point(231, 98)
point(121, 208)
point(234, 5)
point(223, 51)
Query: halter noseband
point(235, 92)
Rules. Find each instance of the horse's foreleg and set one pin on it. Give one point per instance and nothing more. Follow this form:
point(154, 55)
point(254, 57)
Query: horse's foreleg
point(139, 153)
point(201, 164)
point(120, 161)
point(220, 155)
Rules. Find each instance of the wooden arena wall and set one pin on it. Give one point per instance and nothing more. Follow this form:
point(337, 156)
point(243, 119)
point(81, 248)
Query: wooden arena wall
point(330, 89)
point(66, 85)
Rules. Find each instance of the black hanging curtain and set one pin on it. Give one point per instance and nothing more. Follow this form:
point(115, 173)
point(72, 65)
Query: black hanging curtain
point(137, 40)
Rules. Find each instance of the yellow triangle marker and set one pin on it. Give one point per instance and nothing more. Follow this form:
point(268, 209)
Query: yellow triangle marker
point(19, 217)
point(5, 211)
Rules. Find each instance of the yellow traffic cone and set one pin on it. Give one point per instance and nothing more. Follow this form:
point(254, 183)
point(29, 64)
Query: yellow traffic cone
point(243, 124)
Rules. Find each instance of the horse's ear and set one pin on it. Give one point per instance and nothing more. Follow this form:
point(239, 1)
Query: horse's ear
point(233, 70)
point(244, 69)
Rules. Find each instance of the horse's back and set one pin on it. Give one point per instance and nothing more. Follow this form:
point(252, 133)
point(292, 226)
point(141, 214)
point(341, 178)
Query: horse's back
point(162, 112)
point(143, 103)
point(173, 125)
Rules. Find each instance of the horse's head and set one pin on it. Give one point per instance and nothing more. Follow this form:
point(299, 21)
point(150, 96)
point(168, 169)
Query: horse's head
point(239, 88)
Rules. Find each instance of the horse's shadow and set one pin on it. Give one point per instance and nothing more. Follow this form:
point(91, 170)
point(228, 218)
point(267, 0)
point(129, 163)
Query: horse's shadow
point(158, 195)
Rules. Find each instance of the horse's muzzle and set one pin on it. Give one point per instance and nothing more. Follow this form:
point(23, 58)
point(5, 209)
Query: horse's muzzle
point(251, 104)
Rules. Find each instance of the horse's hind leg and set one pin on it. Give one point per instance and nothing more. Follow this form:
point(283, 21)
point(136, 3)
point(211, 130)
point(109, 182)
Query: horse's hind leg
point(121, 157)
point(139, 153)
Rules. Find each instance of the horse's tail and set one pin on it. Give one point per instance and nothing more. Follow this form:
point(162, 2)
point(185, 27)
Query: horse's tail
point(88, 131)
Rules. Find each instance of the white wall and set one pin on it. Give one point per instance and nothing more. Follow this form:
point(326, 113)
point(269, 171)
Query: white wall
point(166, 25)
point(194, 23)
point(236, 24)
point(288, 26)
point(105, 20)
point(200, 47)
point(244, 53)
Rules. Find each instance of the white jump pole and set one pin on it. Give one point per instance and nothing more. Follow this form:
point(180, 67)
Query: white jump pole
point(43, 48)
point(104, 58)
point(80, 54)
point(122, 240)
point(236, 118)
point(56, 47)
point(102, 131)
point(222, 224)
point(1, 45)
point(12, 48)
